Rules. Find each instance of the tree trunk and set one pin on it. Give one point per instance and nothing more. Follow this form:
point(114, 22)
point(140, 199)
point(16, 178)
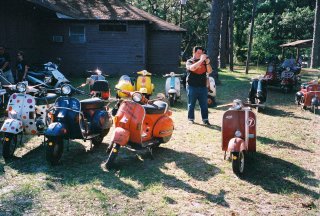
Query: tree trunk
point(255, 2)
point(214, 36)
point(223, 35)
point(315, 56)
point(230, 30)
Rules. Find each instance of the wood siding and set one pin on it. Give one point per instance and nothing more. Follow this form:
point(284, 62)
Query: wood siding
point(112, 52)
point(30, 28)
point(164, 51)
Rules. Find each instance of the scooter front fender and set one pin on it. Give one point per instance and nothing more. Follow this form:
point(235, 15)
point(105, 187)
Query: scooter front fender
point(56, 129)
point(120, 136)
point(172, 91)
point(236, 145)
point(13, 126)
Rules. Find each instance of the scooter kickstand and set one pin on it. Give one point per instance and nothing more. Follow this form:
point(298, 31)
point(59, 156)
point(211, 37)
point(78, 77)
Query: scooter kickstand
point(151, 153)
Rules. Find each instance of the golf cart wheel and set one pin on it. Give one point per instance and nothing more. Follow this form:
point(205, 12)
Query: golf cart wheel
point(113, 155)
point(54, 150)
point(211, 101)
point(9, 144)
point(238, 162)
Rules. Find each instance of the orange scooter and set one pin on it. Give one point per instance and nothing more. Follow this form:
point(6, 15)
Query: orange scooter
point(140, 123)
point(238, 134)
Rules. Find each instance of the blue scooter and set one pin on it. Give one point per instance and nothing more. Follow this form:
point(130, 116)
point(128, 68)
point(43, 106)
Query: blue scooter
point(87, 119)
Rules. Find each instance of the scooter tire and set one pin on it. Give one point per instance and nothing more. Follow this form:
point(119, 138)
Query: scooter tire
point(238, 162)
point(171, 101)
point(112, 156)
point(54, 150)
point(9, 144)
point(211, 101)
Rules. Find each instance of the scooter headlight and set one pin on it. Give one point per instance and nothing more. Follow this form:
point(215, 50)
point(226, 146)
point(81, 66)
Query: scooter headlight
point(66, 89)
point(137, 97)
point(172, 74)
point(21, 87)
point(238, 133)
point(287, 68)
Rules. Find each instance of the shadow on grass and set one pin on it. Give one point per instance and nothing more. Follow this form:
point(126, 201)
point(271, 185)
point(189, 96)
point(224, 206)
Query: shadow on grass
point(81, 167)
point(279, 176)
point(271, 111)
point(281, 144)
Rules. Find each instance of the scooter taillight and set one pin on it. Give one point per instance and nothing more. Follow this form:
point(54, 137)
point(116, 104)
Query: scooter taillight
point(105, 95)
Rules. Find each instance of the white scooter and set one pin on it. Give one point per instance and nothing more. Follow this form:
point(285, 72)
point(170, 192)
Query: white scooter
point(211, 84)
point(173, 87)
point(27, 114)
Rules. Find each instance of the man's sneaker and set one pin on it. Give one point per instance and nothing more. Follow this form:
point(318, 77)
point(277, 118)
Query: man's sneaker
point(206, 123)
point(191, 122)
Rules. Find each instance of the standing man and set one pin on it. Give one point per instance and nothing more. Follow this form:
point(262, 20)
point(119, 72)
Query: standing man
point(5, 69)
point(197, 68)
point(22, 67)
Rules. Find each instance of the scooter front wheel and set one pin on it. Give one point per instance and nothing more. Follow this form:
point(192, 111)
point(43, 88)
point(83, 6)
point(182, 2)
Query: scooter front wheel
point(54, 150)
point(112, 156)
point(238, 162)
point(9, 144)
point(171, 100)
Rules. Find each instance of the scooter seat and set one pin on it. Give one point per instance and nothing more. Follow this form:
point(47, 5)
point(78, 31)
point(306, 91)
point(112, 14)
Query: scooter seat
point(92, 103)
point(50, 98)
point(160, 108)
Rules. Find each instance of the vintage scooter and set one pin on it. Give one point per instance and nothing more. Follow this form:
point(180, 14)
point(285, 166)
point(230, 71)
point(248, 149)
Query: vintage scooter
point(211, 85)
point(144, 83)
point(50, 77)
point(309, 96)
point(73, 119)
point(238, 134)
point(98, 85)
point(173, 87)
point(140, 123)
point(126, 84)
point(258, 93)
point(26, 116)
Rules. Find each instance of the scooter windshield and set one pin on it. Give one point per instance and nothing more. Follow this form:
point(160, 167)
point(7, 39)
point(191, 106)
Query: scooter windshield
point(125, 78)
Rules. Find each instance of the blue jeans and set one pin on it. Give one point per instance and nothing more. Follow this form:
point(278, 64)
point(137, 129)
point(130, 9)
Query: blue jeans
point(200, 94)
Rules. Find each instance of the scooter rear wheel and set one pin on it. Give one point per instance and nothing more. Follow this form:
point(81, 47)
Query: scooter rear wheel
point(112, 156)
point(96, 141)
point(238, 163)
point(9, 144)
point(54, 150)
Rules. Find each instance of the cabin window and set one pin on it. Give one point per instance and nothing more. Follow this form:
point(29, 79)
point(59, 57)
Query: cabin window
point(114, 27)
point(77, 34)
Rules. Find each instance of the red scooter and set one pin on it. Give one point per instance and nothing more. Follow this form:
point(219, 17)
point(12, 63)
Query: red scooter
point(238, 134)
point(140, 123)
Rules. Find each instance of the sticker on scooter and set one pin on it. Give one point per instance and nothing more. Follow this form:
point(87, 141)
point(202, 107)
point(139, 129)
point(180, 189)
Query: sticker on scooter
point(229, 117)
point(251, 122)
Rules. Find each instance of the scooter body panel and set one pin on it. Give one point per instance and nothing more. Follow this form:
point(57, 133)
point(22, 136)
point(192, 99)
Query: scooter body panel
point(173, 86)
point(212, 87)
point(130, 116)
point(13, 126)
point(56, 129)
point(125, 83)
point(236, 144)
point(67, 113)
point(120, 136)
point(24, 107)
point(144, 85)
point(163, 127)
point(234, 120)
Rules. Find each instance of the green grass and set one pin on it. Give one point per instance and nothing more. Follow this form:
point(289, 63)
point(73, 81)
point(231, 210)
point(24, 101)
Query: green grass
point(188, 175)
